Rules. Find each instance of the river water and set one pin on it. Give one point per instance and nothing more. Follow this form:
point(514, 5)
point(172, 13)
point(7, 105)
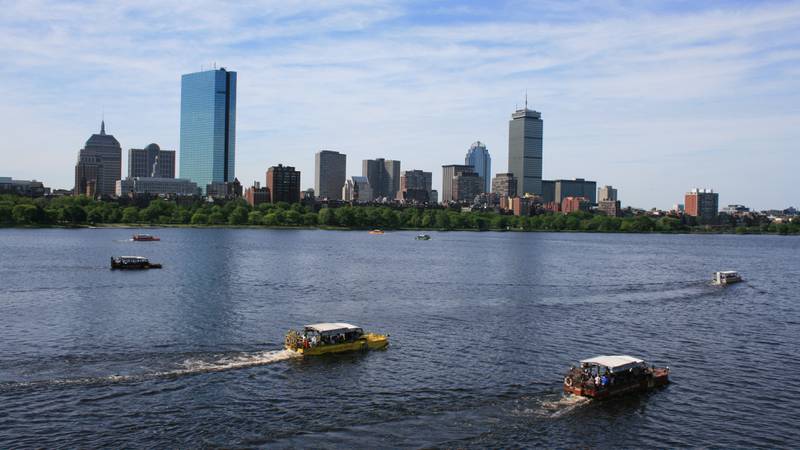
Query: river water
point(483, 327)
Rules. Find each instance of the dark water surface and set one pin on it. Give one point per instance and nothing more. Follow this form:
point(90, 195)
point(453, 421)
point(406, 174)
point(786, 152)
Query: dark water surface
point(483, 327)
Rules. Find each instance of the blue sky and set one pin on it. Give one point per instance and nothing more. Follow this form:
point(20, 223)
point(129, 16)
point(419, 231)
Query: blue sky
point(652, 97)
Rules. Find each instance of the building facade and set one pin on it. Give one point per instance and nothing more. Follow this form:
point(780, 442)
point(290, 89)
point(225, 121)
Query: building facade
point(703, 203)
point(99, 165)
point(329, 174)
point(383, 175)
point(479, 158)
point(151, 161)
point(467, 186)
point(416, 186)
point(449, 172)
point(525, 132)
point(504, 185)
point(156, 186)
point(357, 189)
point(283, 183)
point(558, 190)
point(28, 188)
point(606, 193)
point(256, 195)
point(573, 204)
point(611, 208)
point(208, 127)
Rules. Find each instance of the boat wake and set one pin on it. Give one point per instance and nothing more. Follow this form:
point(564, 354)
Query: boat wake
point(551, 408)
point(191, 366)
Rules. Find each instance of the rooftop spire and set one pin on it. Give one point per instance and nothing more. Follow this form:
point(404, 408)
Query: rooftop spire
point(526, 98)
point(102, 127)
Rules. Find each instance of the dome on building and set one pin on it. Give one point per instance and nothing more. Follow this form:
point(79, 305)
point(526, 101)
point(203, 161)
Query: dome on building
point(153, 148)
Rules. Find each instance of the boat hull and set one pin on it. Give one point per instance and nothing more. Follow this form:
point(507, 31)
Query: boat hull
point(135, 266)
point(659, 378)
point(369, 341)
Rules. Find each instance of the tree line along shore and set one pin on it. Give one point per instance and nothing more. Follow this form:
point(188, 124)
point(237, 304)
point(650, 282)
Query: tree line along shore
point(68, 211)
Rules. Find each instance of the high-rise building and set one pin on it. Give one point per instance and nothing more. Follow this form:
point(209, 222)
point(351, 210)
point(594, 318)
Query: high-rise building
point(151, 162)
point(357, 189)
point(525, 150)
point(611, 208)
point(99, 165)
point(557, 190)
point(208, 127)
point(573, 204)
point(416, 187)
point(283, 183)
point(479, 158)
point(448, 173)
point(606, 193)
point(383, 175)
point(504, 185)
point(703, 203)
point(330, 174)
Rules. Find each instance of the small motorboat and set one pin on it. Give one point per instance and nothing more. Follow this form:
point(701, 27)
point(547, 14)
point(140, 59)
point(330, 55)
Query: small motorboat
point(423, 237)
point(132, 263)
point(376, 231)
point(145, 238)
point(726, 277)
point(608, 376)
point(322, 338)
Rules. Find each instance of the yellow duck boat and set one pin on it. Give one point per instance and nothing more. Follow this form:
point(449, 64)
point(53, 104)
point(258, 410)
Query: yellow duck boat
point(323, 338)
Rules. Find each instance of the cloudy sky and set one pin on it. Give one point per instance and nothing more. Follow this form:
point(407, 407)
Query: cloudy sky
point(652, 97)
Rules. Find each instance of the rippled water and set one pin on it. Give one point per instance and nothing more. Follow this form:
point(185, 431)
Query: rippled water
point(483, 327)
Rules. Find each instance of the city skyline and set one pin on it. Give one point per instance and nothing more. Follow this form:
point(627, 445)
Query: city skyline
point(722, 116)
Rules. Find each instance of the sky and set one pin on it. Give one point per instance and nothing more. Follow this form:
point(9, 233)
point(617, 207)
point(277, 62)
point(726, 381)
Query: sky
point(652, 97)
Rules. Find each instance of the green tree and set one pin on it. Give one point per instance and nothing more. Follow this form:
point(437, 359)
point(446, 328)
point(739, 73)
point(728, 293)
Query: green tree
point(130, 215)
point(73, 214)
point(6, 216)
point(238, 216)
point(326, 217)
point(24, 214)
point(199, 218)
point(255, 218)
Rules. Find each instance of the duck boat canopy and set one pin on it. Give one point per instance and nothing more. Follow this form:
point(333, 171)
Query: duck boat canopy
point(333, 328)
point(727, 277)
point(614, 363)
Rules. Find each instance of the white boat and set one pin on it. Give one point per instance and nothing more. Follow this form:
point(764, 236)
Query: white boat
point(725, 277)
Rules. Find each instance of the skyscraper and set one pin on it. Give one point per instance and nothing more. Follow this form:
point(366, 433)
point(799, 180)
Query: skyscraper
point(99, 165)
point(479, 158)
point(505, 185)
point(151, 162)
point(208, 126)
point(416, 186)
point(702, 203)
point(606, 193)
point(383, 175)
point(525, 150)
point(330, 174)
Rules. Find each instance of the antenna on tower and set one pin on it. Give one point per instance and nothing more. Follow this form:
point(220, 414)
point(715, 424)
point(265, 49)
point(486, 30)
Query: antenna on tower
point(526, 98)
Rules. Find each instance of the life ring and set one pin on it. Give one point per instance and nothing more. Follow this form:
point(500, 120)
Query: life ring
point(568, 381)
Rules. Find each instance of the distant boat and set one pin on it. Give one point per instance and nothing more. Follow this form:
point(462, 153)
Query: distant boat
point(145, 237)
point(132, 263)
point(726, 277)
point(376, 231)
point(423, 237)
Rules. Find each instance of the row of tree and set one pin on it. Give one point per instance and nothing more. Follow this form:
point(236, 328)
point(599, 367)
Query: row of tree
point(79, 211)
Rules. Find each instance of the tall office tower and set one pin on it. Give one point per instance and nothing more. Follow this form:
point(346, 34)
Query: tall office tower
point(606, 193)
point(525, 150)
point(703, 203)
point(458, 185)
point(99, 165)
point(416, 186)
point(151, 162)
point(330, 174)
point(504, 185)
point(479, 158)
point(208, 127)
point(383, 175)
point(283, 183)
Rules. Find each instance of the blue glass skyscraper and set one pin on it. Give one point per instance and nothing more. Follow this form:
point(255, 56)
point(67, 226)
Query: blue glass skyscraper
point(478, 157)
point(208, 126)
